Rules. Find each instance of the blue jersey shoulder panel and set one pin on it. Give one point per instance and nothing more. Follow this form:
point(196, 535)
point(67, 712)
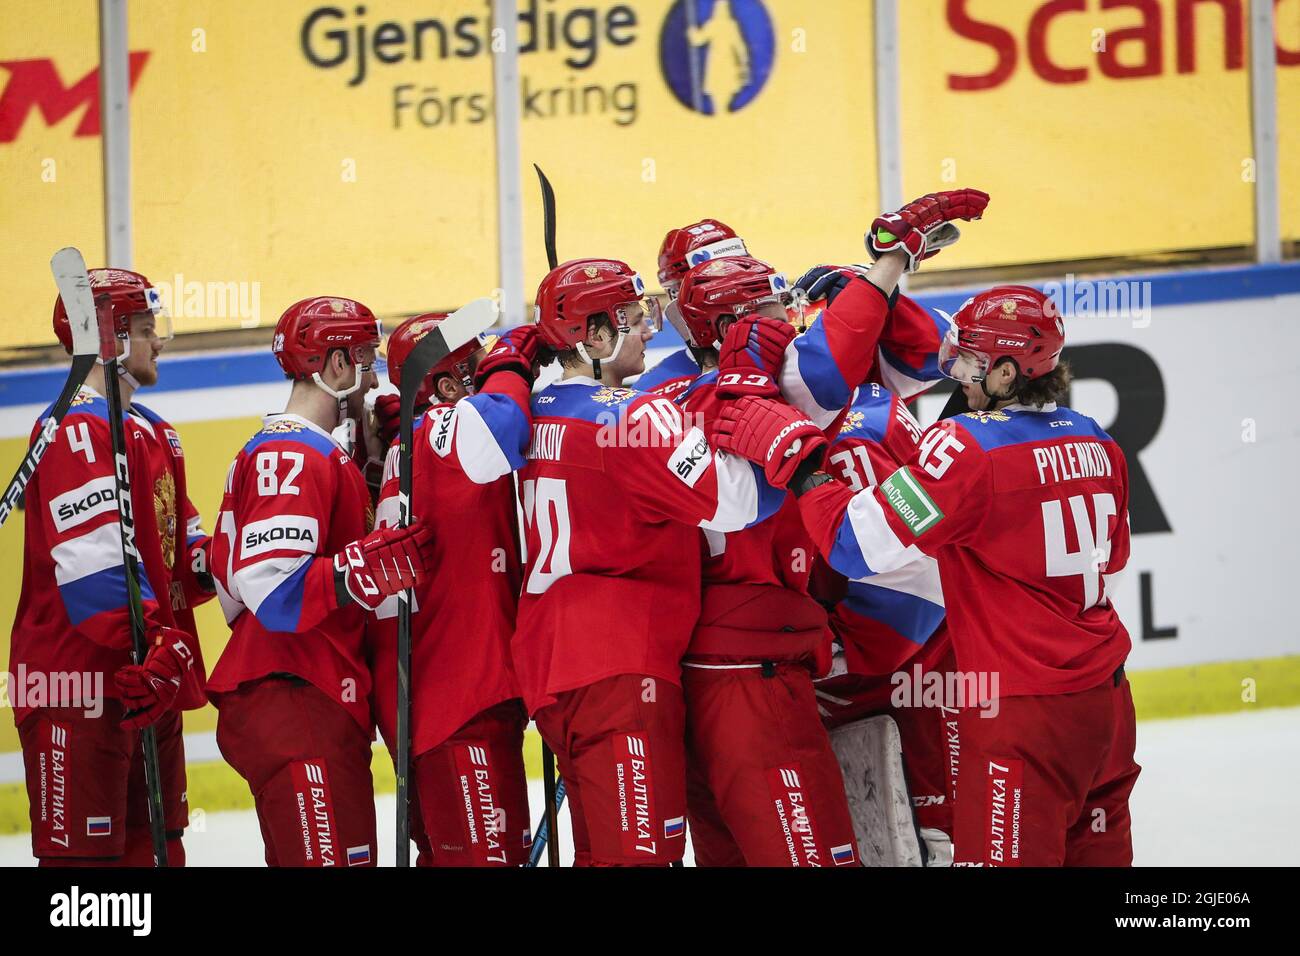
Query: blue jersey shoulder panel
point(679, 364)
point(868, 417)
point(287, 431)
point(598, 404)
point(1016, 426)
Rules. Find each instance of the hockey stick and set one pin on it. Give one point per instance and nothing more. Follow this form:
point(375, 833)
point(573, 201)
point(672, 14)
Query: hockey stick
point(85, 349)
point(74, 288)
point(544, 828)
point(549, 792)
point(454, 331)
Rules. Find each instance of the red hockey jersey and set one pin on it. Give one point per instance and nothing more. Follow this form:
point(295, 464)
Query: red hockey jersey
point(73, 614)
point(616, 486)
point(1025, 509)
point(293, 499)
point(464, 612)
point(884, 620)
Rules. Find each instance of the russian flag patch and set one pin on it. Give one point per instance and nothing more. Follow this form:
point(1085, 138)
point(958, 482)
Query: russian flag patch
point(528, 839)
point(99, 826)
point(358, 855)
point(674, 827)
point(842, 855)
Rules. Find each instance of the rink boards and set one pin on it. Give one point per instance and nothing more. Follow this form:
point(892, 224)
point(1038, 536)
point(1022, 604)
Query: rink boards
point(1191, 372)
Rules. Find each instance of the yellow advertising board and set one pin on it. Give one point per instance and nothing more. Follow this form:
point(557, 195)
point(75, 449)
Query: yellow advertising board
point(1287, 14)
point(51, 170)
point(289, 149)
point(293, 148)
point(1100, 128)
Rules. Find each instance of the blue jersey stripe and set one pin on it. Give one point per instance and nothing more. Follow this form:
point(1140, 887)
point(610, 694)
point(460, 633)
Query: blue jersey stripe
point(846, 557)
point(770, 499)
point(819, 371)
point(281, 609)
point(99, 592)
point(507, 423)
point(910, 616)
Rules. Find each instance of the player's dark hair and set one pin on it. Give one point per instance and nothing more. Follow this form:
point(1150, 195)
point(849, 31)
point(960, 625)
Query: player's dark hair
point(1052, 387)
point(600, 320)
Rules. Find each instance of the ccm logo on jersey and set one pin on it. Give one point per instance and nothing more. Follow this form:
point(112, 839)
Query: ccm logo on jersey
point(442, 426)
point(691, 458)
point(81, 504)
point(282, 533)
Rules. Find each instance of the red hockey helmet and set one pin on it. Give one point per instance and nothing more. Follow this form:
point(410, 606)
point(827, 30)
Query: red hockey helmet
point(693, 244)
point(130, 294)
point(1007, 321)
point(459, 364)
point(575, 291)
point(732, 287)
point(312, 328)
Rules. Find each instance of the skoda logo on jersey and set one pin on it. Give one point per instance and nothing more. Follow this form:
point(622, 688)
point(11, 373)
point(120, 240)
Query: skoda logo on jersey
point(717, 55)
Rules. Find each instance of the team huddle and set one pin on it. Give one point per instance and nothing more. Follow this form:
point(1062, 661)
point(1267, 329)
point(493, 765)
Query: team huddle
point(742, 594)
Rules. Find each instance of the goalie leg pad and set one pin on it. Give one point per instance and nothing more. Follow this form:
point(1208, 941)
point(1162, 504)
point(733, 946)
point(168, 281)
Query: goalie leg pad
point(870, 753)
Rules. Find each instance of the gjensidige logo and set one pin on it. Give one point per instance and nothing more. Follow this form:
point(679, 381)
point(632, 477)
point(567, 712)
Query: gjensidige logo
point(717, 55)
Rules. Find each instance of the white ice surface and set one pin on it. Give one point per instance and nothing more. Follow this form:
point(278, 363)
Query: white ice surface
point(1214, 791)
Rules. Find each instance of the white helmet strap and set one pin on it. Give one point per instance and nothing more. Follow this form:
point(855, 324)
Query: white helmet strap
point(620, 336)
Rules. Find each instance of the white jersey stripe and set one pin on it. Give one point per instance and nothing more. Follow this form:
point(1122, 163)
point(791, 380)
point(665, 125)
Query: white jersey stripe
point(880, 547)
point(87, 554)
point(737, 494)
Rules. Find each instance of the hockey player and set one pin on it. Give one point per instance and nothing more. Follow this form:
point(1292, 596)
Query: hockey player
point(778, 799)
point(469, 799)
point(1024, 504)
point(616, 484)
point(888, 638)
point(680, 250)
point(298, 570)
point(760, 632)
point(72, 629)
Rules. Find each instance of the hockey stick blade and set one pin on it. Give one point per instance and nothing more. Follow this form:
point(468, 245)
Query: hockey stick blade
point(548, 218)
point(452, 332)
point(69, 268)
point(69, 274)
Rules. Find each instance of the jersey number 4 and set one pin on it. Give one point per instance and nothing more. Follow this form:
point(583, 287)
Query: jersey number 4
point(546, 509)
point(1092, 534)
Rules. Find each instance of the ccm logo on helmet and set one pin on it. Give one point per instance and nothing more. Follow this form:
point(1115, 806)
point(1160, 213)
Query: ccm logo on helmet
point(81, 504)
point(282, 533)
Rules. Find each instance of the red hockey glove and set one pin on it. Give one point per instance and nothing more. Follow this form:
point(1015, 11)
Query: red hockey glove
point(750, 358)
point(148, 689)
point(388, 413)
point(771, 434)
point(517, 351)
point(382, 563)
point(924, 226)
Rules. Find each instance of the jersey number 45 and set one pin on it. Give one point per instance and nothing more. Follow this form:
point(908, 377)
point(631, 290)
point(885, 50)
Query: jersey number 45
point(1092, 534)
